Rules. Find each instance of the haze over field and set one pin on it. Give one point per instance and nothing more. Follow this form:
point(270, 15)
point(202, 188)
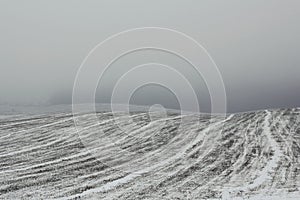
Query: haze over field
point(255, 44)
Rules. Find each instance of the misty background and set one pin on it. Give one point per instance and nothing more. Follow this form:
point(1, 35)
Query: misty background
point(255, 44)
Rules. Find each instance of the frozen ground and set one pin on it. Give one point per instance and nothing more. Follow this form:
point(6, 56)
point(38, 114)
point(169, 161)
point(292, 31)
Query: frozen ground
point(252, 155)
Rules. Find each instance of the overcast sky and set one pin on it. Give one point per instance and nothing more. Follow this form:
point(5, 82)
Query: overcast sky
point(256, 45)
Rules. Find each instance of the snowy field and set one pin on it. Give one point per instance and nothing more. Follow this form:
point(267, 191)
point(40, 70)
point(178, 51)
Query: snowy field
point(253, 155)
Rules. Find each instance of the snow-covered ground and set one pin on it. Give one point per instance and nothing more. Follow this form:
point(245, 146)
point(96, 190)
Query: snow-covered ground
point(253, 155)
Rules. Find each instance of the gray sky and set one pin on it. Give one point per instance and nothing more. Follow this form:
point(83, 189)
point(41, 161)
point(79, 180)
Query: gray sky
point(255, 44)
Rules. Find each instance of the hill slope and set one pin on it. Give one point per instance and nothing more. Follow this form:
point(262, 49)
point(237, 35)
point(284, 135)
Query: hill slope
point(156, 156)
